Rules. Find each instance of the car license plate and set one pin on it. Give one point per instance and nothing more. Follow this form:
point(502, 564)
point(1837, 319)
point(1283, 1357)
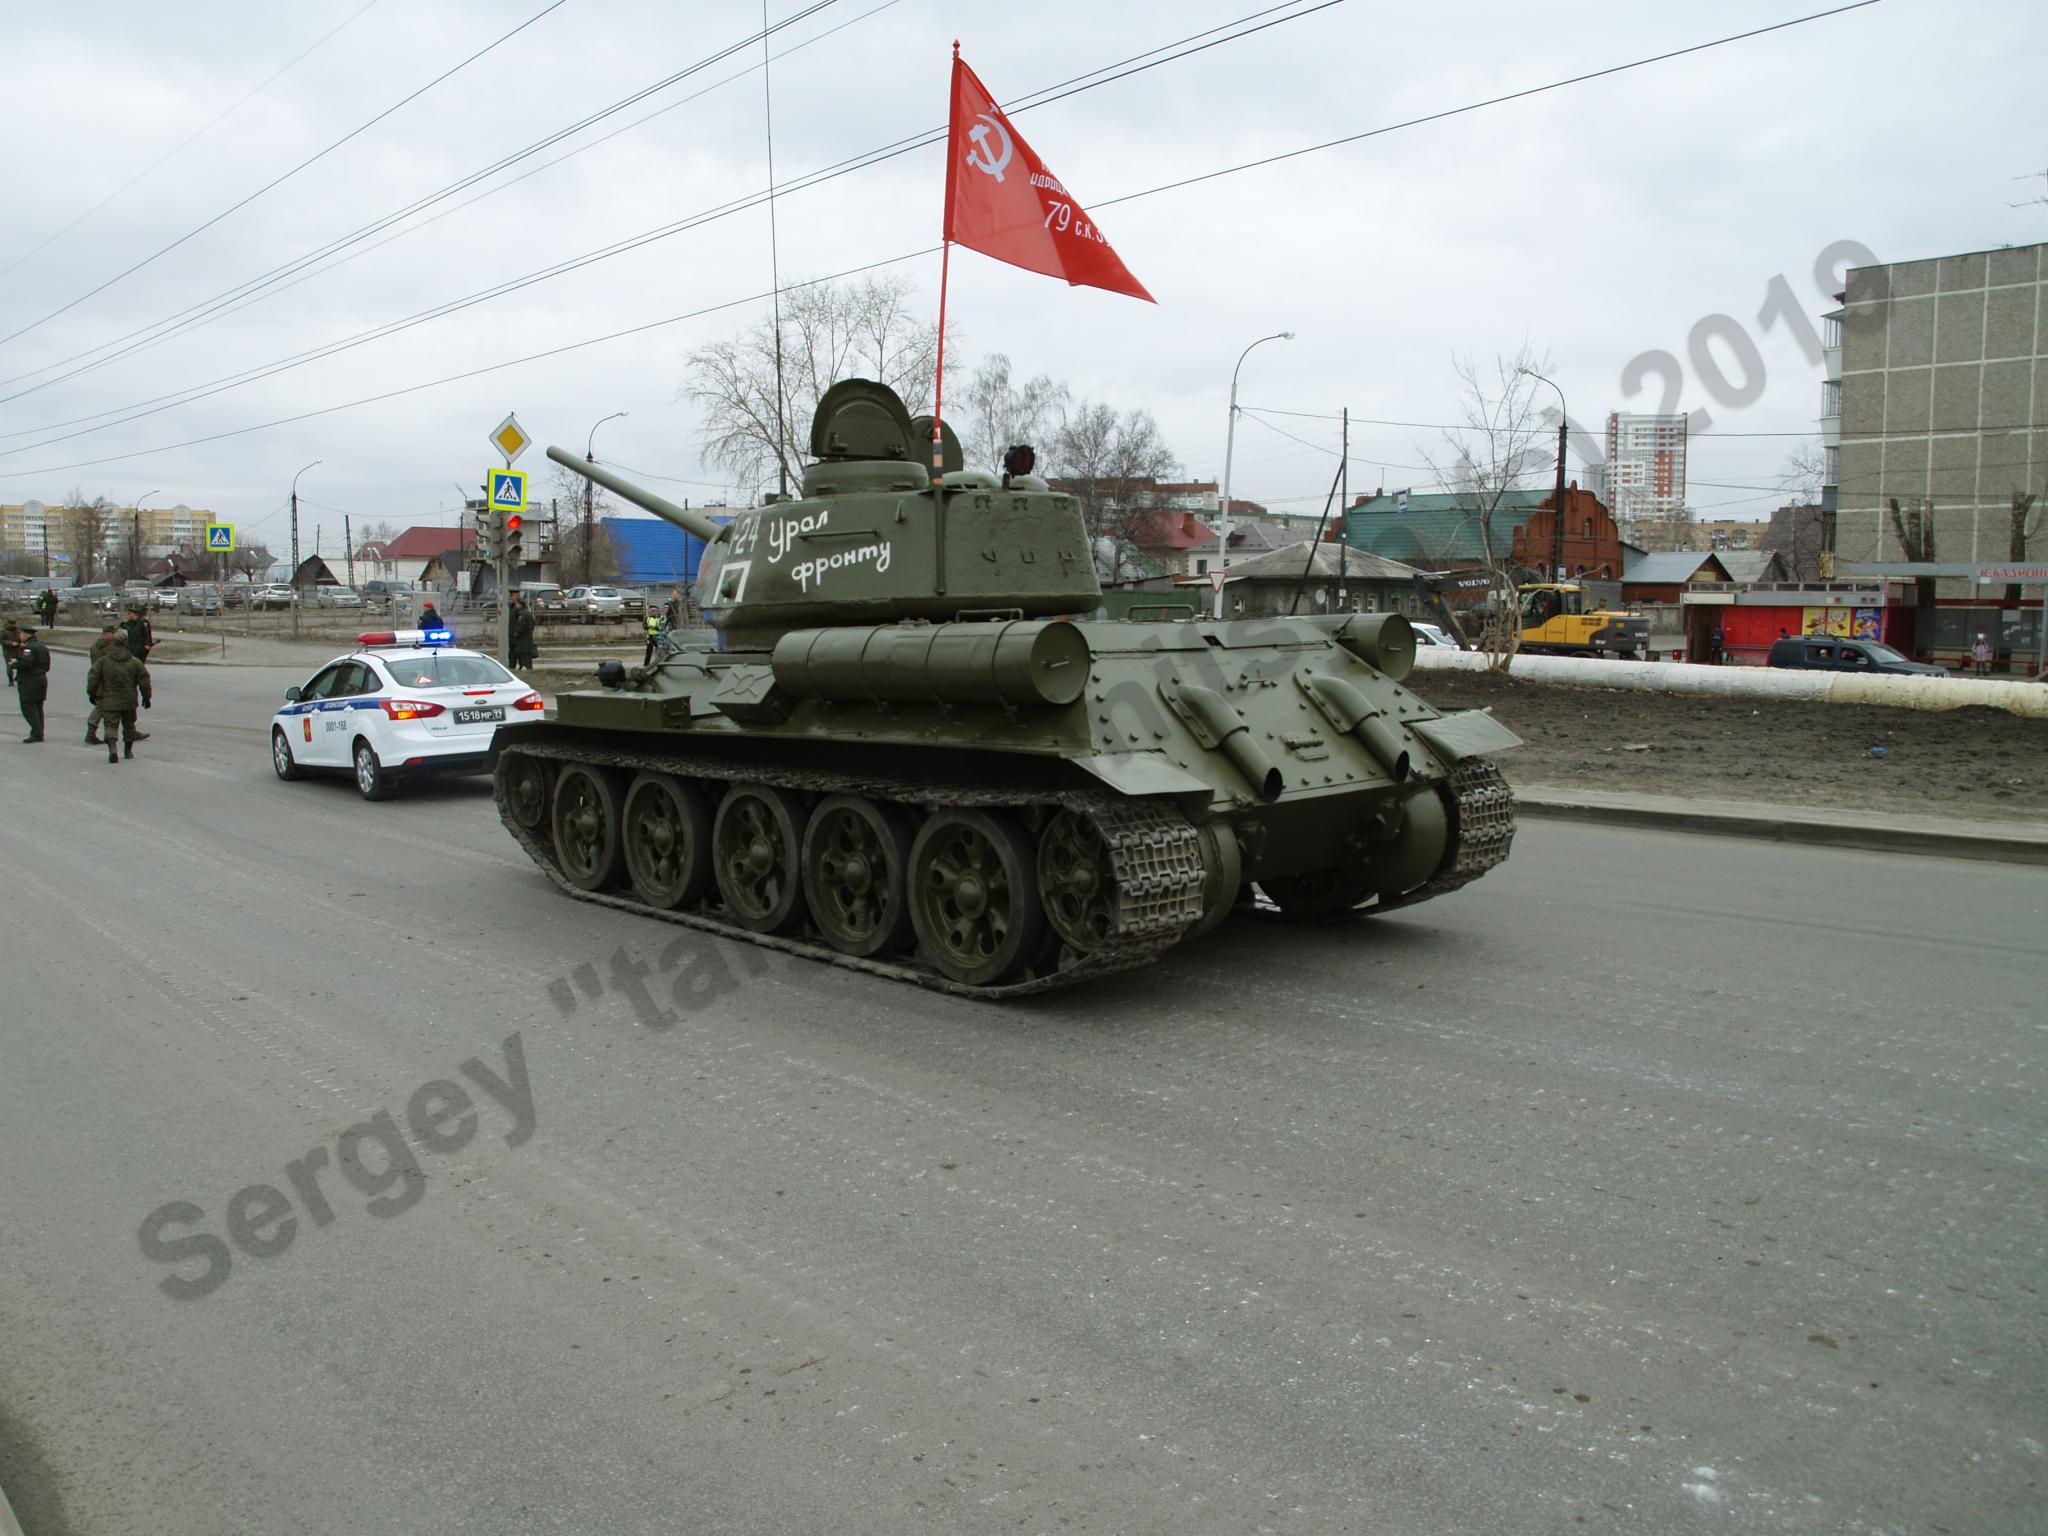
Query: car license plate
point(478, 716)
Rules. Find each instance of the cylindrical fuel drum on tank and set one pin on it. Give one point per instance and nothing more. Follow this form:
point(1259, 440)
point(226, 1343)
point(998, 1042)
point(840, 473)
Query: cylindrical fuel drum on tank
point(1014, 663)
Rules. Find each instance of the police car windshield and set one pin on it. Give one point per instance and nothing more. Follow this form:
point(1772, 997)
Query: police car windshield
point(437, 669)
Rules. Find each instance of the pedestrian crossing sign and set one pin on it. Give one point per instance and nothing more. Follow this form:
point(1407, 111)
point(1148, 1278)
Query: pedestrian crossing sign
point(220, 538)
point(508, 490)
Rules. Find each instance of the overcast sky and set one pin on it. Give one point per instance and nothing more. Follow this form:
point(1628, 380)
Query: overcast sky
point(1596, 222)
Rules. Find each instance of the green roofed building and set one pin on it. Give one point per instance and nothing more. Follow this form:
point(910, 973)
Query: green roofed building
point(1438, 531)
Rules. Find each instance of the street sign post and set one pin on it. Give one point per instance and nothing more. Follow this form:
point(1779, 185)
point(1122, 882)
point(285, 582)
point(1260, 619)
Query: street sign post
point(220, 538)
point(505, 496)
point(506, 490)
point(1216, 580)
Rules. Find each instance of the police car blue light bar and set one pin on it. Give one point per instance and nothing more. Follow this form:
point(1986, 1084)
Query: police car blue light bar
point(407, 637)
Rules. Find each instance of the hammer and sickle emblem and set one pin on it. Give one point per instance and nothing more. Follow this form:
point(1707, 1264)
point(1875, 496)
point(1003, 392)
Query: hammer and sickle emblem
point(988, 163)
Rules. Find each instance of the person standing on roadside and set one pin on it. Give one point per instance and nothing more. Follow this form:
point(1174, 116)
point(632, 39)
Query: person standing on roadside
point(118, 680)
point(10, 641)
point(652, 621)
point(522, 633)
point(46, 605)
point(430, 617)
point(32, 681)
point(99, 649)
point(1980, 656)
point(141, 635)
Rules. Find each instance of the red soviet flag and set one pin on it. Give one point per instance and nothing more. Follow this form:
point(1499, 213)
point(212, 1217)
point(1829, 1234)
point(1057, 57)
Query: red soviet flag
point(1003, 202)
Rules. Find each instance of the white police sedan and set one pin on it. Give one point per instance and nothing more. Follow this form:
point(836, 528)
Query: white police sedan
point(406, 703)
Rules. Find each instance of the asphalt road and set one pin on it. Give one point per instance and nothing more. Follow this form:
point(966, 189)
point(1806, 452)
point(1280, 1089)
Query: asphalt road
point(1653, 1182)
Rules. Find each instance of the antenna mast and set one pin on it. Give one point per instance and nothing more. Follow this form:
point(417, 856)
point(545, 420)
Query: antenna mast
point(774, 264)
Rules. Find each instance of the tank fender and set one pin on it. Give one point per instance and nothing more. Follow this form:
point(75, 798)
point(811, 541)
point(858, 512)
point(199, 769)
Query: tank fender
point(1219, 727)
point(1468, 733)
point(1351, 712)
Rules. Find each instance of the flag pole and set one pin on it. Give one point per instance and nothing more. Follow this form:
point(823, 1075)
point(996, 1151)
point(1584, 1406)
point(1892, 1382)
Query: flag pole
point(939, 383)
point(945, 270)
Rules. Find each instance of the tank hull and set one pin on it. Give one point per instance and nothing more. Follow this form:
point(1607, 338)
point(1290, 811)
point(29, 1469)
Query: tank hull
point(1037, 802)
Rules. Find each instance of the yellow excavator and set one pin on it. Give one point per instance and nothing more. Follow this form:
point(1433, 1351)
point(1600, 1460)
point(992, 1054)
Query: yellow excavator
point(1555, 618)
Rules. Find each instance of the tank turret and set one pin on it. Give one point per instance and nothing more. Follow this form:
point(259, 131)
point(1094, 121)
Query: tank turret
point(917, 752)
point(875, 540)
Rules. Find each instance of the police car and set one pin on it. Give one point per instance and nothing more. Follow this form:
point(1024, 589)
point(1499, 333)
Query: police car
point(406, 703)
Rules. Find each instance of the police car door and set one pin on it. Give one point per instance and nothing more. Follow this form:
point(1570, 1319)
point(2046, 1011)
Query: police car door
point(334, 715)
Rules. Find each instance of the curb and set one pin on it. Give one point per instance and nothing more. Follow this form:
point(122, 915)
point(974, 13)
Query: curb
point(2016, 847)
point(9, 1526)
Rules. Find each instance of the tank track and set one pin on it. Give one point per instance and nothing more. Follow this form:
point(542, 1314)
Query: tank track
point(1482, 831)
point(1155, 854)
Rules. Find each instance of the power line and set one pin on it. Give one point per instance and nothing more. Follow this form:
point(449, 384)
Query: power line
point(220, 117)
point(1494, 101)
point(555, 5)
point(747, 201)
point(907, 145)
point(300, 268)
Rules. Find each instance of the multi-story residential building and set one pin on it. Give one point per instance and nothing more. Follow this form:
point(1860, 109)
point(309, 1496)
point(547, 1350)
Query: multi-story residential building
point(33, 526)
point(1943, 395)
point(1645, 469)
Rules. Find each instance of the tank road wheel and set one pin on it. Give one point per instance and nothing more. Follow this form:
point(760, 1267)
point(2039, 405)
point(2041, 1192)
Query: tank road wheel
point(755, 852)
point(523, 781)
point(974, 895)
point(856, 855)
point(1320, 893)
point(588, 849)
point(668, 841)
point(1076, 881)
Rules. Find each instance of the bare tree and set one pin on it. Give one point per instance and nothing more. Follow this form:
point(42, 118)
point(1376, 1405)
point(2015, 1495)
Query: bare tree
point(87, 525)
point(587, 551)
point(2024, 520)
point(829, 332)
point(995, 412)
point(1109, 462)
point(1498, 447)
point(1798, 531)
point(250, 561)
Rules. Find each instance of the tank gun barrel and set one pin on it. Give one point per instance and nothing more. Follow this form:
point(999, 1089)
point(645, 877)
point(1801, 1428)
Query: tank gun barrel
point(690, 522)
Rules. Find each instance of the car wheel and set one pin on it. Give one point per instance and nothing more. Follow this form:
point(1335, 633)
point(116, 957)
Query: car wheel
point(370, 778)
point(281, 756)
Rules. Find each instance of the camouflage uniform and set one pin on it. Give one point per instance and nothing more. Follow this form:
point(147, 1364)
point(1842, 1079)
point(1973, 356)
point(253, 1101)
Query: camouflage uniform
point(92, 721)
point(117, 680)
point(32, 681)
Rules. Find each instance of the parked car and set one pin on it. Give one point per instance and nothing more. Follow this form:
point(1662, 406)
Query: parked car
point(381, 594)
point(1832, 653)
point(1430, 634)
point(98, 595)
point(591, 603)
point(275, 594)
point(165, 597)
point(337, 597)
point(547, 600)
point(235, 595)
point(199, 600)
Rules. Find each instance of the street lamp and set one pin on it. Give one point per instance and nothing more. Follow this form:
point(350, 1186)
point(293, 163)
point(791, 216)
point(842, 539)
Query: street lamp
point(1229, 447)
point(1557, 497)
point(588, 444)
point(295, 545)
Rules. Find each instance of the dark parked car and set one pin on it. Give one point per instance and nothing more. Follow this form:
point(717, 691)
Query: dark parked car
point(1831, 653)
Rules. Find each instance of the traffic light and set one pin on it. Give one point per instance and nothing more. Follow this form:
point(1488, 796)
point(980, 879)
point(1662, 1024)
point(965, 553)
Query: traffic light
point(514, 539)
point(490, 534)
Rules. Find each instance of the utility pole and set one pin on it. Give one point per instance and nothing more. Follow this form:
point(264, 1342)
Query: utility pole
point(295, 547)
point(348, 545)
point(1343, 500)
point(1557, 501)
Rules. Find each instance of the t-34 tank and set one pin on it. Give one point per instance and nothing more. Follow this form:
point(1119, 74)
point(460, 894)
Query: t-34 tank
point(915, 753)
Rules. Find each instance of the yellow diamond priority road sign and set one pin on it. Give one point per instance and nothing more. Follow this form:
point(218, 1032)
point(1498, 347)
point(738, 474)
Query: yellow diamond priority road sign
point(510, 439)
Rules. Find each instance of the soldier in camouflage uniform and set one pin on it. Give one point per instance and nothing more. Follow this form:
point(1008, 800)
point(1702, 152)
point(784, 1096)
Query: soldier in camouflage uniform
point(116, 682)
point(141, 641)
point(99, 649)
point(32, 680)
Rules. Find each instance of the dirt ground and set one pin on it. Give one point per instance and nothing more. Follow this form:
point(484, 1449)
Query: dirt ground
point(1983, 764)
